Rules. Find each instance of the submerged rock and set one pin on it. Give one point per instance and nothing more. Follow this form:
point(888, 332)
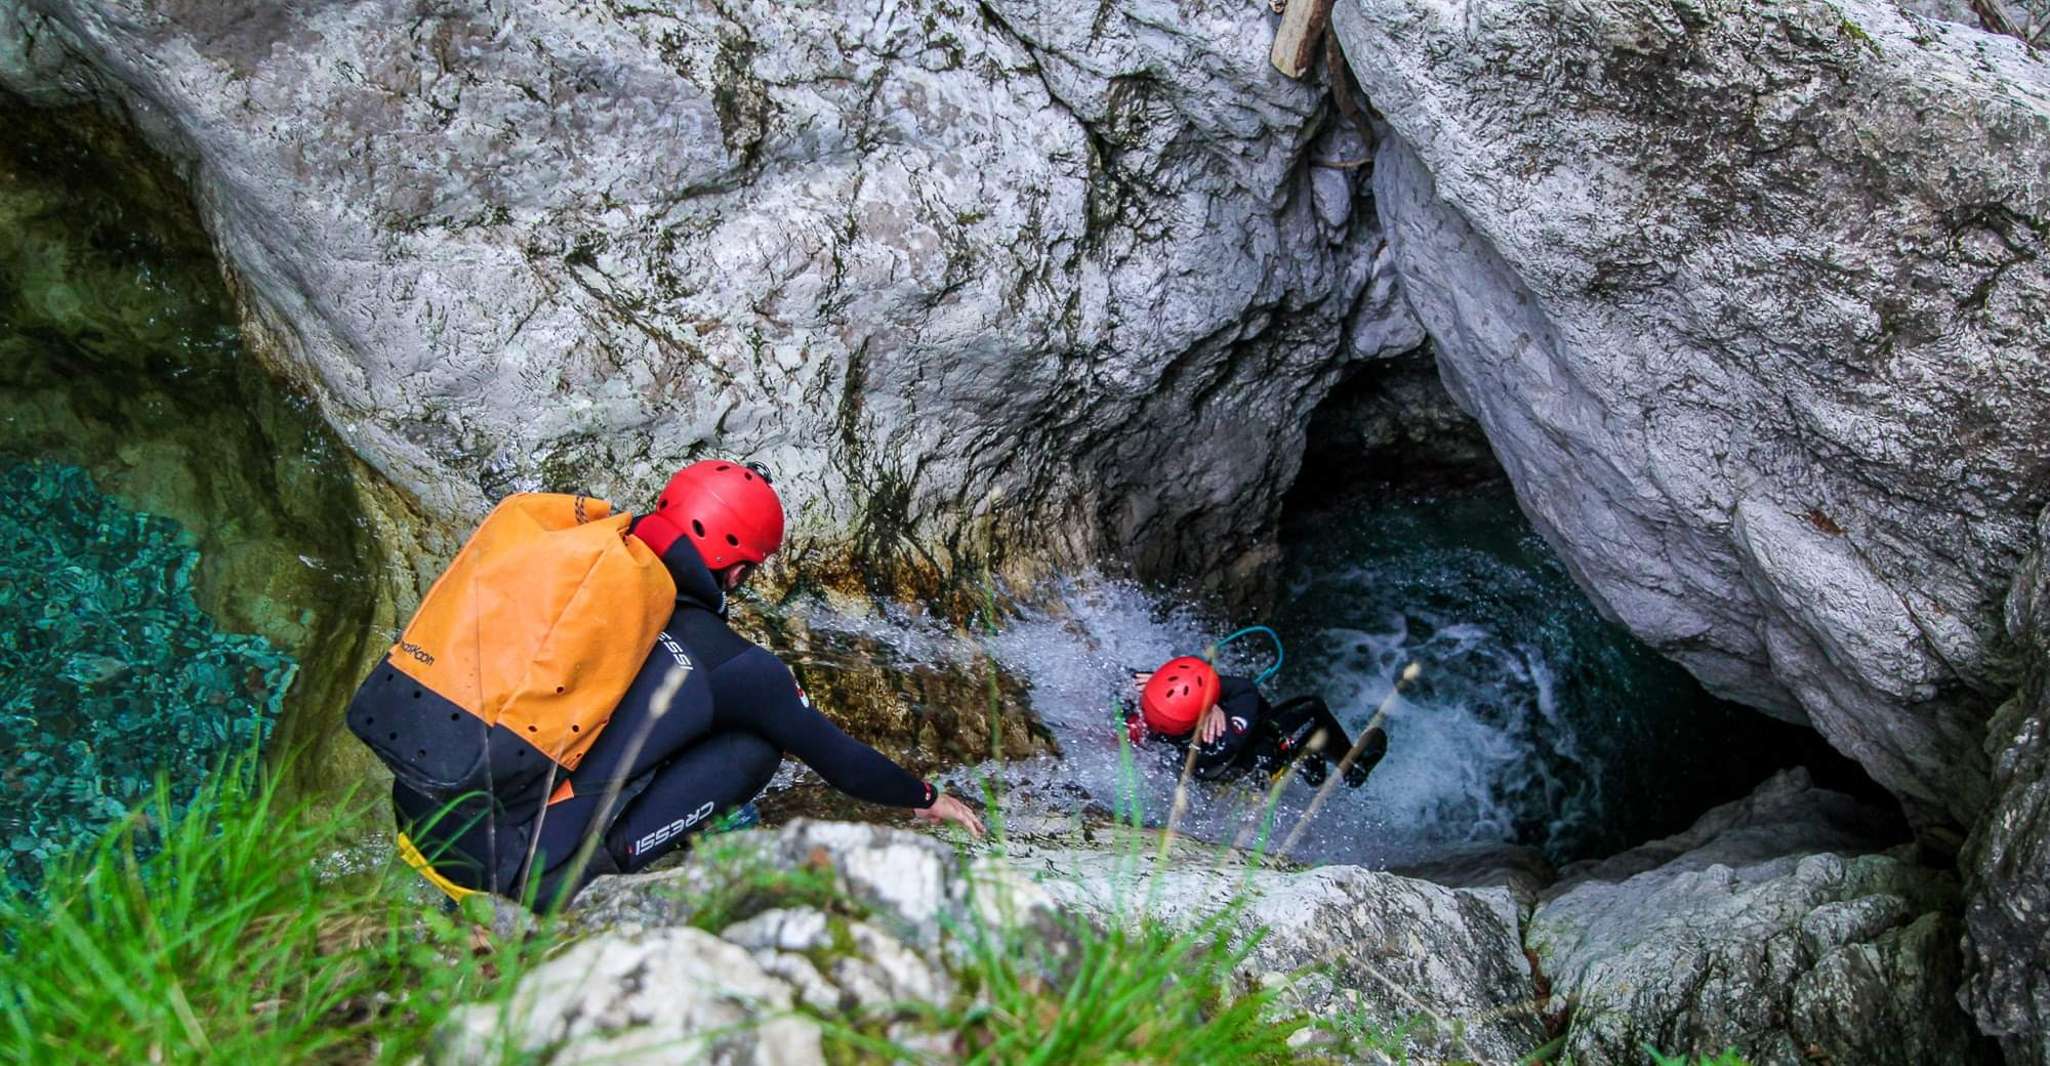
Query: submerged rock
point(1753, 303)
point(2007, 921)
point(964, 275)
point(1765, 929)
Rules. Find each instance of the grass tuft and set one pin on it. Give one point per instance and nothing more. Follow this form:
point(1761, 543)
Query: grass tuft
point(211, 933)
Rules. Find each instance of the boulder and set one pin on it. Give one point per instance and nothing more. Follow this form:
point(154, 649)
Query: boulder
point(962, 275)
point(1753, 303)
point(1362, 947)
point(1740, 934)
point(856, 926)
point(661, 995)
point(2007, 864)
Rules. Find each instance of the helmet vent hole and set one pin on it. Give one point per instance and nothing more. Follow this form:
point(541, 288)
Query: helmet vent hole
point(723, 467)
point(662, 503)
point(747, 475)
point(733, 540)
point(698, 528)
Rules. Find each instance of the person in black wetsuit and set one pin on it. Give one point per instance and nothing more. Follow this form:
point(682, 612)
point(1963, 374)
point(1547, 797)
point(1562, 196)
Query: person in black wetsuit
point(678, 750)
point(1236, 731)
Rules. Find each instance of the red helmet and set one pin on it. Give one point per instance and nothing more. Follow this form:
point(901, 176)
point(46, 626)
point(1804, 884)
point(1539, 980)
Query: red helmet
point(1177, 695)
point(728, 510)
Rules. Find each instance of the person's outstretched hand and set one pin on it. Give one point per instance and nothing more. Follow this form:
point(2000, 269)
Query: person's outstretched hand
point(949, 809)
point(1212, 725)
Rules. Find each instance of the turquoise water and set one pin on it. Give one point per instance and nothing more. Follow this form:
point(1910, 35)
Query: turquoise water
point(110, 674)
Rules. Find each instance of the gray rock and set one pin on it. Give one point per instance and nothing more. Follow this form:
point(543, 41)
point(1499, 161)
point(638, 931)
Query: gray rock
point(1523, 872)
point(1369, 947)
point(663, 995)
point(903, 912)
point(1735, 934)
point(1786, 816)
point(1393, 422)
point(906, 880)
point(1753, 303)
point(868, 968)
point(2007, 920)
point(962, 274)
point(1959, 11)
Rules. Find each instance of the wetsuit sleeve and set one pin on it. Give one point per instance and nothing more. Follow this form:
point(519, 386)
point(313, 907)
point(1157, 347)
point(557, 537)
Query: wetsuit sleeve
point(756, 693)
point(1240, 700)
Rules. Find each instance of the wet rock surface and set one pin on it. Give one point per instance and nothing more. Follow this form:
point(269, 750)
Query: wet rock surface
point(2007, 864)
point(1771, 927)
point(1751, 301)
point(963, 275)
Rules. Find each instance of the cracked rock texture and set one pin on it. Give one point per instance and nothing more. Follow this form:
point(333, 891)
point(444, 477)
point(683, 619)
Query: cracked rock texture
point(890, 932)
point(2008, 862)
point(1370, 944)
point(1768, 927)
point(1751, 302)
point(1012, 273)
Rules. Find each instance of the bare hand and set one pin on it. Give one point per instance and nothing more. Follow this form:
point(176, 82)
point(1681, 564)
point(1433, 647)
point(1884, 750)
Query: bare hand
point(949, 809)
point(1212, 725)
point(1140, 677)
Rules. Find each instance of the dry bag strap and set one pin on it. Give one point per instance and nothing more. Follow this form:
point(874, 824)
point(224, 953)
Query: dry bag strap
point(426, 869)
point(581, 518)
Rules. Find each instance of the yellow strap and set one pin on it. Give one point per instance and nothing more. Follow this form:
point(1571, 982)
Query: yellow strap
point(420, 865)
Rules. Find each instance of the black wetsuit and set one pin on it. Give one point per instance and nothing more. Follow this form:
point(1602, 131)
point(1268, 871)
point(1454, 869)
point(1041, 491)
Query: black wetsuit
point(671, 758)
point(1264, 737)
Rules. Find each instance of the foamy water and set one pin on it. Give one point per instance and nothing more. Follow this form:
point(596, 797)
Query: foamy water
point(1531, 720)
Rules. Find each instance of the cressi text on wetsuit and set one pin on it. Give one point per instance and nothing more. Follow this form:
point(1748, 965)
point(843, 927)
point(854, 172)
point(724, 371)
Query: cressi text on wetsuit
point(699, 732)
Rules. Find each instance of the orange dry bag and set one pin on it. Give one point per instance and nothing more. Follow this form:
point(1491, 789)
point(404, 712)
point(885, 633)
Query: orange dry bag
point(518, 655)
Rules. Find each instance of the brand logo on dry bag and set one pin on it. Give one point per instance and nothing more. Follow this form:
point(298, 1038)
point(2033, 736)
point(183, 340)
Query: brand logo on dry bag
point(658, 836)
point(417, 652)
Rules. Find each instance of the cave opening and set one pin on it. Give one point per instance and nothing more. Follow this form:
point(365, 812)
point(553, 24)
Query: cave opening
point(1533, 720)
point(186, 574)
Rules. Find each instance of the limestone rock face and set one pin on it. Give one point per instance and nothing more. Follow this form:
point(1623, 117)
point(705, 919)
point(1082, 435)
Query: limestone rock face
point(837, 924)
point(739, 955)
point(961, 274)
point(664, 995)
point(1739, 933)
point(1379, 947)
point(1753, 303)
point(2008, 862)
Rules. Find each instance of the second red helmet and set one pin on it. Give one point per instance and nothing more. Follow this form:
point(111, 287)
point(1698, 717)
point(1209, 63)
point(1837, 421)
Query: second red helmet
point(1177, 695)
point(727, 509)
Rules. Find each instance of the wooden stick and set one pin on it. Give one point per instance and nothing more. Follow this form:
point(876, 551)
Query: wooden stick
point(1300, 36)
